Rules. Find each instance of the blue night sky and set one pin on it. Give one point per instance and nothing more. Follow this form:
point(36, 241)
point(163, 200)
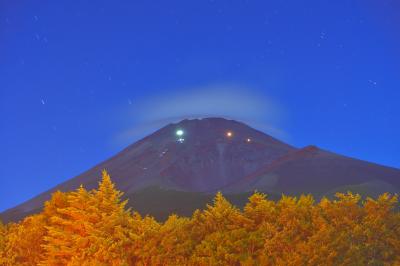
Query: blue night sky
point(80, 81)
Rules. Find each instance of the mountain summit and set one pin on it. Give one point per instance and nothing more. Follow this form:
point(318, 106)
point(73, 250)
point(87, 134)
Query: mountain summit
point(181, 165)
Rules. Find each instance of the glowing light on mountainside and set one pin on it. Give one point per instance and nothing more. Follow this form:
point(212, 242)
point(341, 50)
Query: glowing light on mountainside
point(179, 132)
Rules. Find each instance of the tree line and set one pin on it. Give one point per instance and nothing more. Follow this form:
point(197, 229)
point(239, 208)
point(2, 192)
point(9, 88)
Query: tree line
point(95, 228)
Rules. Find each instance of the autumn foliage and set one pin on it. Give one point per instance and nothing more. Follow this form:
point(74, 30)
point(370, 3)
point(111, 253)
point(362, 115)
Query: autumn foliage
point(94, 228)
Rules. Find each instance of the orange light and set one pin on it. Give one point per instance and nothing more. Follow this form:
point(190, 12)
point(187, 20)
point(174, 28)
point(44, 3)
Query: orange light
point(229, 134)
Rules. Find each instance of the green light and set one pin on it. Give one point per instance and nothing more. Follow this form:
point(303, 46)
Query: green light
point(179, 132)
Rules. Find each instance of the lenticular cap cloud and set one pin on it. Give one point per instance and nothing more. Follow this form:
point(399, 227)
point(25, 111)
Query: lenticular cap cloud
point(232, 102)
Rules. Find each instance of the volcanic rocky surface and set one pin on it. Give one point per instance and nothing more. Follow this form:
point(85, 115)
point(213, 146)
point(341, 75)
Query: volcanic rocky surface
point(165, 173)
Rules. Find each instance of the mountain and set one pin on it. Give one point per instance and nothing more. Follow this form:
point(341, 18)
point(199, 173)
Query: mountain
point(179, 168)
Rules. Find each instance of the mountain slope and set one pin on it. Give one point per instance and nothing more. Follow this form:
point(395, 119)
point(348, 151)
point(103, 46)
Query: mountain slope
point(315, 171)
point(214, 154)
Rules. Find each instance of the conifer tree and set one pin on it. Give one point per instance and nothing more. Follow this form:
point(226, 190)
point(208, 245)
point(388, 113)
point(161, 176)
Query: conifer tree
point(89, 228)
point(69, 227)
point(147, 233)
point(221, 215)
point(111, 237)
point(225, 234)
point(3, 233)
point(23, 242)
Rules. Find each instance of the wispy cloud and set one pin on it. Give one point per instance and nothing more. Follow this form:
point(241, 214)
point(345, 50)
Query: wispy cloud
point(233, 102)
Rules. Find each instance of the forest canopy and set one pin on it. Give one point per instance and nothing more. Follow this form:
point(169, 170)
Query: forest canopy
point(95, 228)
